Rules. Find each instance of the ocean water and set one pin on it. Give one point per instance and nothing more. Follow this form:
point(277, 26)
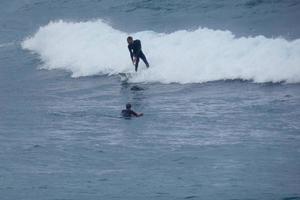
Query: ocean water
point(221, 100)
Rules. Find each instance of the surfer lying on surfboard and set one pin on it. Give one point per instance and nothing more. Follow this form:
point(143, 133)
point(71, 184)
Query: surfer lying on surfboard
point(135, 49)
point(129, 113)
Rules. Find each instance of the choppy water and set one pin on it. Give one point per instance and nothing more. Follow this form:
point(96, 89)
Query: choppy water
point(221, 100)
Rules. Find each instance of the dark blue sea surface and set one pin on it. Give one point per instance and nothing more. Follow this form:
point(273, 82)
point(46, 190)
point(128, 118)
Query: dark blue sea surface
point(225, 133)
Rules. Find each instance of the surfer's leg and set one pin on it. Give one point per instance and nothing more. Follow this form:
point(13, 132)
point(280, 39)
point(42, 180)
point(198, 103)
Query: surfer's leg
point(143, 57)
point(137, 60)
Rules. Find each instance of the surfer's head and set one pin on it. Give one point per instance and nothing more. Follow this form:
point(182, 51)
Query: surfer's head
point(128, 106)
point(129, 39)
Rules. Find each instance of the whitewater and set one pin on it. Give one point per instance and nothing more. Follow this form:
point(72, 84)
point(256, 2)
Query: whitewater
point(184, 56)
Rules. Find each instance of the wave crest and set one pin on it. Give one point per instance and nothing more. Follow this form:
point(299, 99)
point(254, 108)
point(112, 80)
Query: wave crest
point(94, 47)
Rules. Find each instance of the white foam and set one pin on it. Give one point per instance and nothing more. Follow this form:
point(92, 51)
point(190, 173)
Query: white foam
point(7, 44)
point(94, 47)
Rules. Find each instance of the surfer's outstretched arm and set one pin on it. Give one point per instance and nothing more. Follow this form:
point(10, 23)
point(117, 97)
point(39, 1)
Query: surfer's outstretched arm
point(137, 114)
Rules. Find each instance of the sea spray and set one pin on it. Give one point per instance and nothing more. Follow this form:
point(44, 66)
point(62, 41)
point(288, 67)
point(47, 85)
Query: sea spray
point(94, 47)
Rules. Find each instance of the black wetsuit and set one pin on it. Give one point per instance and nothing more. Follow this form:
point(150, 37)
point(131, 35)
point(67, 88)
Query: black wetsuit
point(135, 50)
point(128, 113)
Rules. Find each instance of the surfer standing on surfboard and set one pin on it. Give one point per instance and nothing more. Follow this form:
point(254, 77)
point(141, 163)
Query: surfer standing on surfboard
point(135, 49)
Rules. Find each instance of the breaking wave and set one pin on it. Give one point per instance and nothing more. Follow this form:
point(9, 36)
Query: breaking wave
point(94, 47)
